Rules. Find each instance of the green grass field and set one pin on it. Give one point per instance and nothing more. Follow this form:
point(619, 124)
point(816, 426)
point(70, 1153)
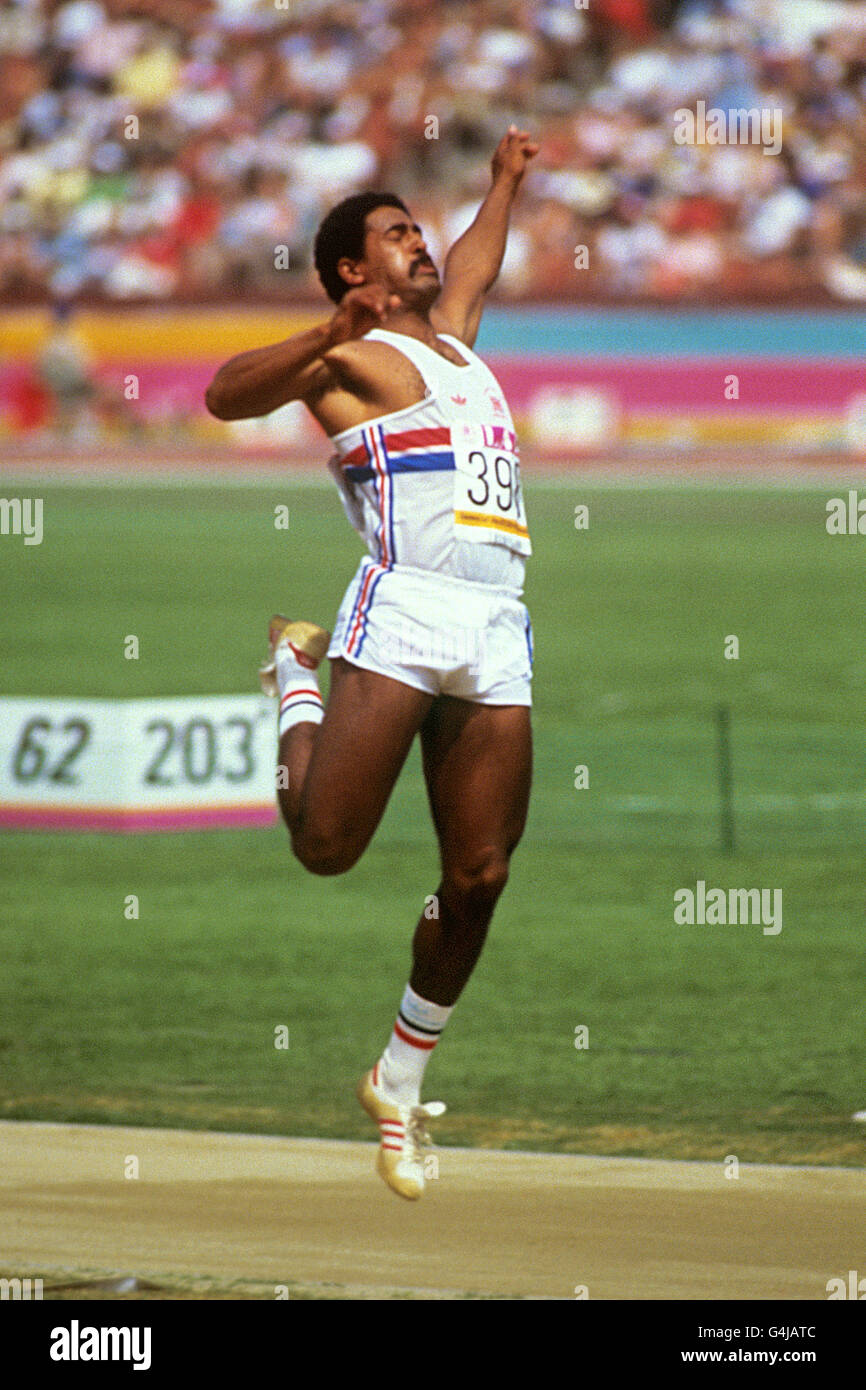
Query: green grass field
point(704, 1041)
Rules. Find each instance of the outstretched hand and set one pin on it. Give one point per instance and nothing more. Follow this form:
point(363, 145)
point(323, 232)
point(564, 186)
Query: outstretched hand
point(513, 153)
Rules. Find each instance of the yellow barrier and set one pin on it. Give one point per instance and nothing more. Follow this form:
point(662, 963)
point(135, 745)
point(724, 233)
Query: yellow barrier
point(117, 334)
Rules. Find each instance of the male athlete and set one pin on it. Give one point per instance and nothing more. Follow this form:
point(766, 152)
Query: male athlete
point(432, 637)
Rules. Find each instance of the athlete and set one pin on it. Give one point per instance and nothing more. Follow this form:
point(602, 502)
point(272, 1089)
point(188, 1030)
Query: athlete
point(432, 637)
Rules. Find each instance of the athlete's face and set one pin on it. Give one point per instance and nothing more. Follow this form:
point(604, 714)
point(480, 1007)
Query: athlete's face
point(396, 257)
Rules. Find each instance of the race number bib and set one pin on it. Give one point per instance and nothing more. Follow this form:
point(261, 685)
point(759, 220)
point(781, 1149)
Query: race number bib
point(488, 500)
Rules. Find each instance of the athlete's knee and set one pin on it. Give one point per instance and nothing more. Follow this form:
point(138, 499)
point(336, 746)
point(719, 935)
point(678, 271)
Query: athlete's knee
point(325, 851)
point(476, 882)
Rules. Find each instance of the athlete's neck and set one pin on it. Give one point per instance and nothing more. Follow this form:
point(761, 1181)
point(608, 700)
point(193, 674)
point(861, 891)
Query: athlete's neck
point(412, 324)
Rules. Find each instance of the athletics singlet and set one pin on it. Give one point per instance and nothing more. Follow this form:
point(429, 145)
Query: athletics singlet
point(436, 486)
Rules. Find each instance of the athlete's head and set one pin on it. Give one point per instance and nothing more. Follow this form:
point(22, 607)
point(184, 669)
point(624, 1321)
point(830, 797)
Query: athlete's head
point(371, 238)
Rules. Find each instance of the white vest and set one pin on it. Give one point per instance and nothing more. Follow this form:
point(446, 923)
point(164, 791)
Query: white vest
point(436, 486)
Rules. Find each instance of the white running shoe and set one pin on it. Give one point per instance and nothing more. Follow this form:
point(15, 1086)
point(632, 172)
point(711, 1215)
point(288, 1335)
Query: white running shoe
point(400, 1160)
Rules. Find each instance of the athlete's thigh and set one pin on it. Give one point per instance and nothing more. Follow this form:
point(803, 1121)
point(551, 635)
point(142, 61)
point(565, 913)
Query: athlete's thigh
point(369, 723)
point(478, 769)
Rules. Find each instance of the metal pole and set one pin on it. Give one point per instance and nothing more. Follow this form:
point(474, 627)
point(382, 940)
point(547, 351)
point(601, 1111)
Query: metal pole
point(726, 784)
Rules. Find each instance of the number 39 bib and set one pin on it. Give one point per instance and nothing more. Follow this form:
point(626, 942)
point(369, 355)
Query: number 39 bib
point(488, 501)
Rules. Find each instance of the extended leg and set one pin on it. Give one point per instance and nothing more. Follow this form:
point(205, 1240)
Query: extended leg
point(478, 766)
point(477, 763)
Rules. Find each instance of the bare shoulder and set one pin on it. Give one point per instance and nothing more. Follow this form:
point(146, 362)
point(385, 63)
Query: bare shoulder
point(359, 352)
point(376, 371)
point(368, 379)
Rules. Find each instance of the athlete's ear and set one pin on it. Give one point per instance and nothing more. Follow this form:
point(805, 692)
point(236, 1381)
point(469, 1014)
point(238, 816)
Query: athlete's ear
point(348, 271)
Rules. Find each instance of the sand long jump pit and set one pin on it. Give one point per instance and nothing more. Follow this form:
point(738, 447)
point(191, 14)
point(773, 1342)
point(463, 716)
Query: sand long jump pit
point(149, 1213)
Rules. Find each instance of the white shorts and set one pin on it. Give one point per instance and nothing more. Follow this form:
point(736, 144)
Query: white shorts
point(441, 635)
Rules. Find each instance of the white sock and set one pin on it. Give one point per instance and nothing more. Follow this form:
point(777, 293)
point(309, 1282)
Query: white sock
point(300, 701)
point(400, 1069)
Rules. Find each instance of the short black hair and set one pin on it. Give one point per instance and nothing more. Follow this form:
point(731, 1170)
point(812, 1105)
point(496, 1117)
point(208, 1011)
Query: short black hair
point(342, 234)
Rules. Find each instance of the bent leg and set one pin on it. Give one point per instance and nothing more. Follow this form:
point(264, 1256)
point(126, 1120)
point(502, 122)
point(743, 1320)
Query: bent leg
point(478, 767)
point(341, 772)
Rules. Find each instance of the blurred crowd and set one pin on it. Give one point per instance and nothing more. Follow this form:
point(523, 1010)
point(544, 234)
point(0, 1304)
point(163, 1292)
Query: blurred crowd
point(163, 149)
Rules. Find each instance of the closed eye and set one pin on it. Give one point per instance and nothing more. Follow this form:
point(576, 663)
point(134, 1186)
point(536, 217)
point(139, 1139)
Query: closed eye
point(399, 229)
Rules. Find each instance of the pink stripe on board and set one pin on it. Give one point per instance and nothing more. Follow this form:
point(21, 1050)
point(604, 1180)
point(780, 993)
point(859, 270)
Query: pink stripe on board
point(135, 821)
point(692, 385)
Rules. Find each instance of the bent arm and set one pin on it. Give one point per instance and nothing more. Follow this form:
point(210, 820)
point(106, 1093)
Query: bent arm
point(255, 383)
point(474, 261)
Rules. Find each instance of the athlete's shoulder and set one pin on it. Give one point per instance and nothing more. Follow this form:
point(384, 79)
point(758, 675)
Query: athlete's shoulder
point(358, 350)
point(365, 363)
point(370, 379)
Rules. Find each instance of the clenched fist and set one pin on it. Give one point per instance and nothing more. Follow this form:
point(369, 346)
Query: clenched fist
point(512, 154)
point(360, 310)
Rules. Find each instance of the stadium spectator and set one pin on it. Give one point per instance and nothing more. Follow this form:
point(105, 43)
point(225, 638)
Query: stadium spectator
point(170, 148)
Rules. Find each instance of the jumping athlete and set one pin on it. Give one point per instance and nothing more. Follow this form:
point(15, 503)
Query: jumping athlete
point(432, 637)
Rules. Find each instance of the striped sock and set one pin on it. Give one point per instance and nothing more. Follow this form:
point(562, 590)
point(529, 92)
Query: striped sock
point(400, 1069)
point(300, 701)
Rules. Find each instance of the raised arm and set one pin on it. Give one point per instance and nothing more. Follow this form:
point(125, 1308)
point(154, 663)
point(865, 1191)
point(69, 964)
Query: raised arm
point(255, 383)
point(473, 263)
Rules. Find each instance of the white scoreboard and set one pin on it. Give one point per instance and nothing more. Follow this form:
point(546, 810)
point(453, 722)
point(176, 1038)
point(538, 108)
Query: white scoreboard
point(180, 763)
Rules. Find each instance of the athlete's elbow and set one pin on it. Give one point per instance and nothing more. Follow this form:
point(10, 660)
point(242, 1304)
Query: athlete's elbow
point(217, 403)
